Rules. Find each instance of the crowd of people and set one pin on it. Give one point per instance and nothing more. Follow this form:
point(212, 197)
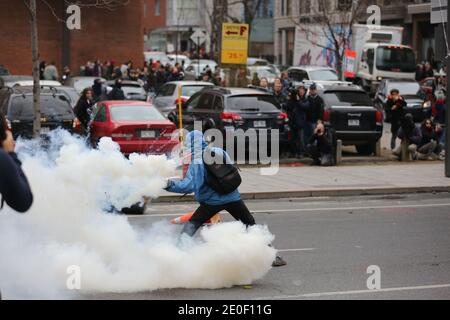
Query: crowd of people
point(426, 141)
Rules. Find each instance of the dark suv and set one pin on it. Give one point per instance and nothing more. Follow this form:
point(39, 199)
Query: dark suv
point(17, 104)
point(353, 116)
point(230, 109)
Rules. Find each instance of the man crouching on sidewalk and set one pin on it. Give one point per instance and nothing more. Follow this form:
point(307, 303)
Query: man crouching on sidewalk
point(211, 202)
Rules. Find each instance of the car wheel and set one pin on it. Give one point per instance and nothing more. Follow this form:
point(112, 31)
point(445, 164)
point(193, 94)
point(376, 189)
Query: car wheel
point(366, 149)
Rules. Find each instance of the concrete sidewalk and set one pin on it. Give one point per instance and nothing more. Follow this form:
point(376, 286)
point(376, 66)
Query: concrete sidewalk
point(307, 181)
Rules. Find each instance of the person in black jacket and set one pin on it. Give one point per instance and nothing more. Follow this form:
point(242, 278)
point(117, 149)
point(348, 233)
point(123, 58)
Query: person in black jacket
point(298, 107)
point(316, 111)
point(83, 109)
point(410, 133)
point(117, 92)
point(429, 147)
point(99, 90)
point(14, 187)
point(395, 107)
point(321, 146)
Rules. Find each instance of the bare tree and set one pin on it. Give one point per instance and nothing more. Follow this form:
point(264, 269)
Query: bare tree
point(251, 8)
point(32, 8)
point(331, 20)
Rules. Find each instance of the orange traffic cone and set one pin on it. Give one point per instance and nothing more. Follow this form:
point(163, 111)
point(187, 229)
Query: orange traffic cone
point(185, 219)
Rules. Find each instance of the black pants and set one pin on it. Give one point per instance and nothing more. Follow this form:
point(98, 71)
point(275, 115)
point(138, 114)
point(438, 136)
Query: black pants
point(237, 209)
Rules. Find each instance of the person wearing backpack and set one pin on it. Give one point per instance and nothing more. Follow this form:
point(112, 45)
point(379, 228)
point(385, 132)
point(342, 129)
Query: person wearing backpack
point(215, 185)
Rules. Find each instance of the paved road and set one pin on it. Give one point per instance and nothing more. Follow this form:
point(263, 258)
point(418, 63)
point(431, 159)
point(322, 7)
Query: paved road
point(329, 244)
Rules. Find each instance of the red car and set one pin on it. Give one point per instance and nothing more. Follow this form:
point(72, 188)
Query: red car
point(136, 126)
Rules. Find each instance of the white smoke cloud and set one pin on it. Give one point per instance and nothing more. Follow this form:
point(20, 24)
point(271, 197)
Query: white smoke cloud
point(68, 225)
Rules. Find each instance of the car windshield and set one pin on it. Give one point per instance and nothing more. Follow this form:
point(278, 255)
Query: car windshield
point(81, 84)
point(22, 107)
point(405, 88)
point(189, 91)
point(135, 113)
point(347, 98)
point(258, 103)
point(396, 59)
point(323, 75)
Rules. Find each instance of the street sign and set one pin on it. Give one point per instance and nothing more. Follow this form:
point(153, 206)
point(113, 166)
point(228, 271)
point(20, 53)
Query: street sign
point(235, 43)
point(198, 37)
point(438, 11)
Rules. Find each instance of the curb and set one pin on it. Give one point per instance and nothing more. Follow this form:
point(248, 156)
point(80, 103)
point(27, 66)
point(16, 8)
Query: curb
point(318, 193)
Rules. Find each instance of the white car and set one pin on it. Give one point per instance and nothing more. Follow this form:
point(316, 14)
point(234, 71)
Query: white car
point(318, 75)
point(179, 58)
point(157, 56)
point(166, 98)
point(30, 83)
point(197, 67)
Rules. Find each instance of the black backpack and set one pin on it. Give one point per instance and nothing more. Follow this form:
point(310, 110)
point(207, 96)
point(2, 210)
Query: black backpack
point(224, 178)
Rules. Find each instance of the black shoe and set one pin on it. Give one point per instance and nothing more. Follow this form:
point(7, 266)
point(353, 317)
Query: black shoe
point(279, 262)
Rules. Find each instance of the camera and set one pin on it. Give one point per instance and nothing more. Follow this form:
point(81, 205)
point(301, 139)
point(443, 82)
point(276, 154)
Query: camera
point(292, 91)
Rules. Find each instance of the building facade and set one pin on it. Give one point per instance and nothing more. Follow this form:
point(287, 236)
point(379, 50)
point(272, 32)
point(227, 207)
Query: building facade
point(105, 35)
point(425, 38)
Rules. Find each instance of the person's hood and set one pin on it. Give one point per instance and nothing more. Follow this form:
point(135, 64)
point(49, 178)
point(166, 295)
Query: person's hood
point(196, 142)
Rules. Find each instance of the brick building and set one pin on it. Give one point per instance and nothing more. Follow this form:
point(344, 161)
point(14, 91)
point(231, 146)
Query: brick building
point(106, 35)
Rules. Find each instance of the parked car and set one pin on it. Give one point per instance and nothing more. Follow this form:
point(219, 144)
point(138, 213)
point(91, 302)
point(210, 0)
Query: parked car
point(133, 90)
point(262, 72)
point(9, 80)
point(17, 104)
point(180, 59)
point(231, 109)
point(157, 56)
point(30, 83)
point(71, 93)
point(418, 103)
point(166, 99)
point(81, 83)
point(351, 113)
point(197, 67)
point(138, 127)
point(310, 74)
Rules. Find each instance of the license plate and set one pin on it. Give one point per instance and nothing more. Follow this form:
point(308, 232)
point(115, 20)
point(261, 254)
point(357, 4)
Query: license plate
point(148, 134)
point(353, 123)
point(259, 124)
point(45, 130)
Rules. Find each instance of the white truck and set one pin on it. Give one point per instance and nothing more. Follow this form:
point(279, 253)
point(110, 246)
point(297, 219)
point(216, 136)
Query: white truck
point(379, 54)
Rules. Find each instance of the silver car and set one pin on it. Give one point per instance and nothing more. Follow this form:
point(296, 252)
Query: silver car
point(166, 98)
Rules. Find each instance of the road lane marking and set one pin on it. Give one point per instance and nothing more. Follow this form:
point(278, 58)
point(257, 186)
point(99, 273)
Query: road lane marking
point(297, 250)
point(431, 205)
point(336, 293)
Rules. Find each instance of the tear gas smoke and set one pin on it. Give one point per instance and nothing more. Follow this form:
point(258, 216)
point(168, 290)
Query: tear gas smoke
point(73, 186)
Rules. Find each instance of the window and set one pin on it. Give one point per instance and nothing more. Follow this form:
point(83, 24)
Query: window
point(218, 103)
point(206, 102)
point(101, 114)
point(347, 98)
point(58, 107)
point(259, 103)
point(157, 8)
point(167, 90)
point(298, 75)
point(135, 113)
point(305, 7)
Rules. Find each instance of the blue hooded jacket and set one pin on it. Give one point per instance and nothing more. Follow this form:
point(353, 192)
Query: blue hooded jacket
point(195, 180)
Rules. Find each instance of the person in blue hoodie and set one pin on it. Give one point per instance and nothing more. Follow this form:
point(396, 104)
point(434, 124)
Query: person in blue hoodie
point(211, 202)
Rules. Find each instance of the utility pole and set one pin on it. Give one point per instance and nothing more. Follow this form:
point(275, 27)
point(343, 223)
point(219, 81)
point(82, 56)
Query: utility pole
point(36, 75)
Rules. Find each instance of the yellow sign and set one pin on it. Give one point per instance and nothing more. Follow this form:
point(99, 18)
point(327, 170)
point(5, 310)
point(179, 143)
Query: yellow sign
point(235, 43)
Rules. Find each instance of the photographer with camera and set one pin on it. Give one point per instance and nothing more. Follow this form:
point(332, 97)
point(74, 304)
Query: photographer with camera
point(279, 93)
point(321, 146)
point(298, 107)
point(14, 187)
